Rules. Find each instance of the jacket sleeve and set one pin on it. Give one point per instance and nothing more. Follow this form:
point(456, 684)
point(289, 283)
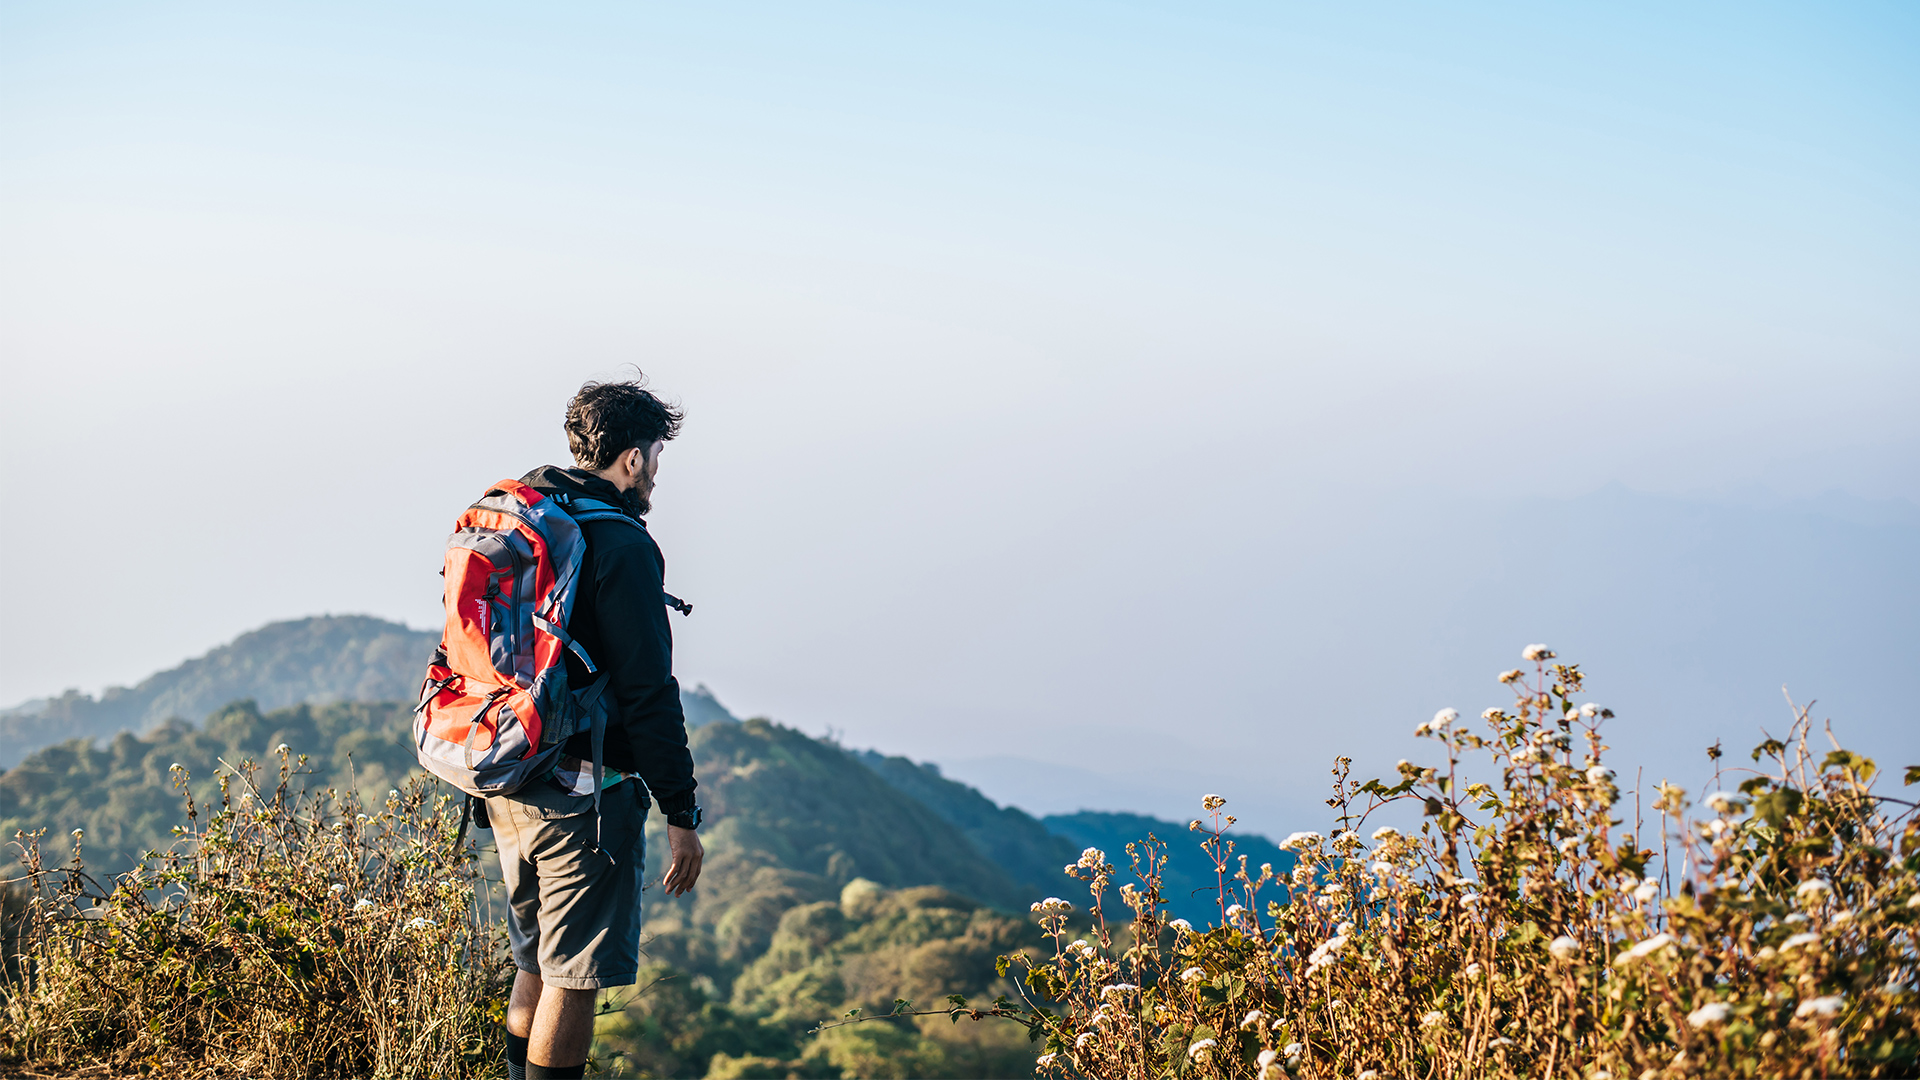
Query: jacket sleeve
point(647, 732)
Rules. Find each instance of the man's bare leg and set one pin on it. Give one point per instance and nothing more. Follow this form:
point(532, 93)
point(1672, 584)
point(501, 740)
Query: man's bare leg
point(521, 1006)
point(562, 1030)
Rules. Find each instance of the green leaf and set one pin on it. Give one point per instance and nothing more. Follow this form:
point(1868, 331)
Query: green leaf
point(1913, 775)
point(1776, 807)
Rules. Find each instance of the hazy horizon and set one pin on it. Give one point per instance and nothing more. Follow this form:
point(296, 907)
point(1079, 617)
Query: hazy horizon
point(1120, 389)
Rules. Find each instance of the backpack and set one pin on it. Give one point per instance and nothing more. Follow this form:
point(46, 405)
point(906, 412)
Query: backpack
point(495, 708)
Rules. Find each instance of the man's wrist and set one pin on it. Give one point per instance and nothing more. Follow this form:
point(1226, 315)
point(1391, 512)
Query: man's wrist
point(686, 819)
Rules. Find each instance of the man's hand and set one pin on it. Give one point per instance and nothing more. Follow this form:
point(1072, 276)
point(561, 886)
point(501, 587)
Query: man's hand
point(687, 851)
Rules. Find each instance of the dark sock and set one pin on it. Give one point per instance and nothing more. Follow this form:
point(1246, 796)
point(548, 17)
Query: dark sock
point(536, 1071)
point(516, 1057)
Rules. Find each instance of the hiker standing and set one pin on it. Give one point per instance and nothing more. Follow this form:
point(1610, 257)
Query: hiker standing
point(553, 697)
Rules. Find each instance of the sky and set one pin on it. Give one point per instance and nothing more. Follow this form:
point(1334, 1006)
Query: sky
point(1111, 402)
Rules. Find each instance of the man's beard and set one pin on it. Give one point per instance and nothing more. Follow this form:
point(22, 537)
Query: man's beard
point(637, 501)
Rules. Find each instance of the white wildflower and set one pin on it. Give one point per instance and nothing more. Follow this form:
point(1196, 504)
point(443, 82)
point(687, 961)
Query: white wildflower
point(1536, 653)
point(1713, 1012)
point(1444, 718)
point(1234, 911)
point(1326, 953)
point(1646, 891)
point(1600, 774)
point(1840, 918)
point(1252, 1020)
point(1820, 1006)
point(1794, 919)
point(1201, 1049)
point(1564, 949)
point(1590, 710)
point(1644, 949)
point(1344, 929)
point(1491, 714)
point(1080, 1042)
point(1812, 891)
point(1510, 676)
point(1212, 802)
point(1385, 833)
point(1052, 905)
point(1472, 971)
point(1523, 755)
point(281, 749)
point(336, 888)
point(1092, 858)
point(1301, 840)
point(1180, 926)
point(1798, 940)
point(1433, 1018)
point(1570, 846)
point(1368, 1074)
point(419, 922)
point(1265, 1063)
point(1382, 869)
point(1498, 1043)
point(1193, 975)
point(362, 904)
point(1045, 1061)
point(1118, 990)
point(175, 767)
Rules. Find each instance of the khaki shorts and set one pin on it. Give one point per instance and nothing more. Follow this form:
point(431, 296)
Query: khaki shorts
point(573, 912)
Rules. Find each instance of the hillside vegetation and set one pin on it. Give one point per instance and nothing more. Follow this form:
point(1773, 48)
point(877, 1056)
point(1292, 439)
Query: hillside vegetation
point(825, 888)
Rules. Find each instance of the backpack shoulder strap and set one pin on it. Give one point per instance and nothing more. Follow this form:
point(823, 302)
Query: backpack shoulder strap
point(584, 510)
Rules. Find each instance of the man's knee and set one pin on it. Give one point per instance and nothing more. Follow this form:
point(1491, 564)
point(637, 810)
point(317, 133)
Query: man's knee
point(527, 990)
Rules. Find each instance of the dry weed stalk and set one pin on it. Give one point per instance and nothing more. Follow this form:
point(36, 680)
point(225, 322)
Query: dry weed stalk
point(1520, 931)
point(290, 934)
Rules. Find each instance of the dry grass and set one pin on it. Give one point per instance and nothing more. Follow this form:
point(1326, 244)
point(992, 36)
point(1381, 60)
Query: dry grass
point(289, 934)
point(1528, 928)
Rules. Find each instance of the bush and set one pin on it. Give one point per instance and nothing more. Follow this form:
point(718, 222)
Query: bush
point(1524, 930)
point(290, 934)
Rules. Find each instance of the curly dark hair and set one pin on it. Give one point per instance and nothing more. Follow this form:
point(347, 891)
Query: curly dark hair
point(606, 419)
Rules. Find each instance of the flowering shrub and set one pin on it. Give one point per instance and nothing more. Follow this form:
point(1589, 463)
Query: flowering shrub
point(289, 934)
point(1523, 930)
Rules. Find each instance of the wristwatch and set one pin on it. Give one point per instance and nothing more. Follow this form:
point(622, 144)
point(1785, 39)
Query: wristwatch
point(688, 820)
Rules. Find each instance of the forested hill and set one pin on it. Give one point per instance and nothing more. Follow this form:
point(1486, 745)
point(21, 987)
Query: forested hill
point(322, 659)
point(319, 660)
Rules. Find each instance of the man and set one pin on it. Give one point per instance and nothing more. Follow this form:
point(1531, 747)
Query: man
point(573, 881)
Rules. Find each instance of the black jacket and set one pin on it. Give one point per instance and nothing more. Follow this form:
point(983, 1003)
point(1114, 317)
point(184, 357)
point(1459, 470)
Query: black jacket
point(620, 618)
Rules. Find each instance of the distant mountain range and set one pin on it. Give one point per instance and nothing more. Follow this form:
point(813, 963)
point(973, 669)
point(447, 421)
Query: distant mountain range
point(335, 687)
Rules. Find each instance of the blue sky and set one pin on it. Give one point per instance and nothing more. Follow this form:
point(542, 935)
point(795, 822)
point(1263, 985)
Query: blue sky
point(991, 322)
